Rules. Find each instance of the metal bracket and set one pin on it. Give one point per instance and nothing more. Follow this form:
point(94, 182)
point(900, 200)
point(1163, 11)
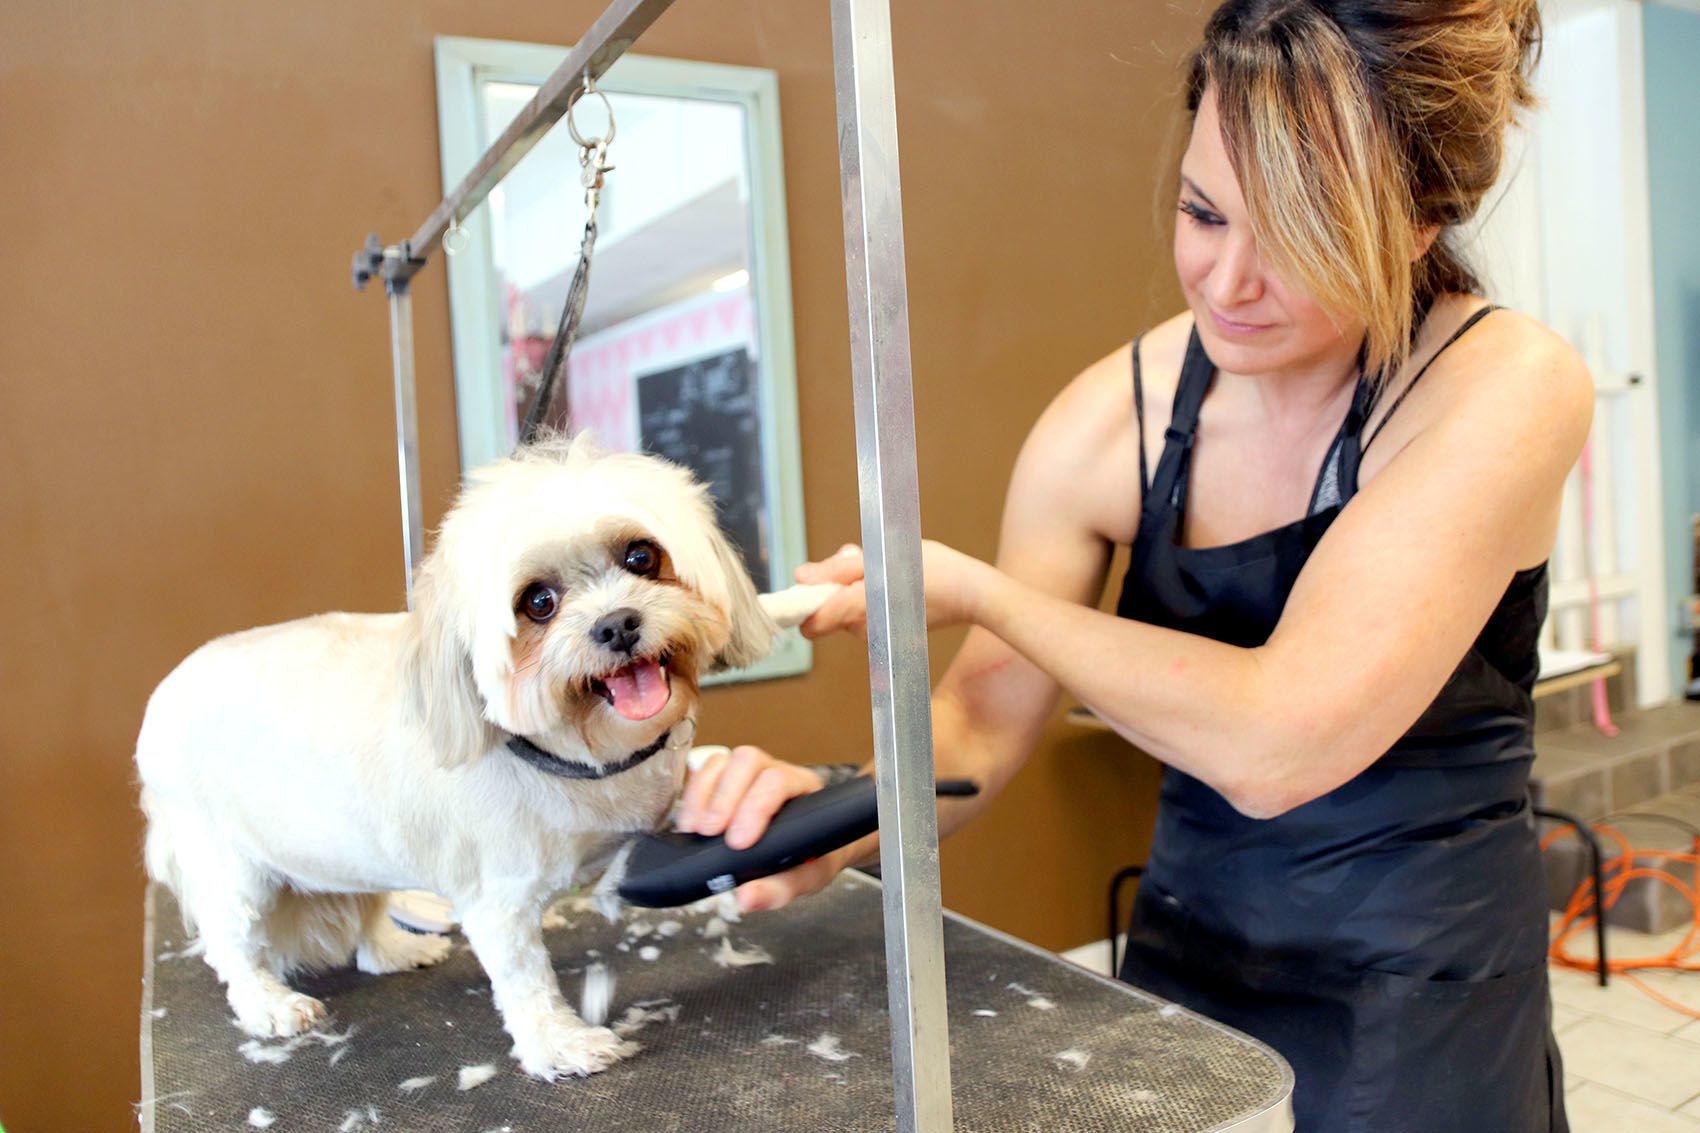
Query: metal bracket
point(393, 262)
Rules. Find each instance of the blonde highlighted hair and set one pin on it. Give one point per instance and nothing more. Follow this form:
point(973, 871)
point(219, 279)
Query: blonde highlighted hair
point(1356, 129)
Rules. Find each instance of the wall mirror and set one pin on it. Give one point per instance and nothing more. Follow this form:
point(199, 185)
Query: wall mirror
point(685, 349)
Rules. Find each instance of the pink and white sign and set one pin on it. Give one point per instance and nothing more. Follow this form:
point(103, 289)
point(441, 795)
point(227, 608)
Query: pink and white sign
point(604, 369)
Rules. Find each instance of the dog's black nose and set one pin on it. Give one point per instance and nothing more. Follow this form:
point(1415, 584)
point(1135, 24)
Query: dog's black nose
point(618, 630)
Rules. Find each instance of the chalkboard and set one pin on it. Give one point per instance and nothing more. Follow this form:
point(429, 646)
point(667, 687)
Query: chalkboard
point(706, 416)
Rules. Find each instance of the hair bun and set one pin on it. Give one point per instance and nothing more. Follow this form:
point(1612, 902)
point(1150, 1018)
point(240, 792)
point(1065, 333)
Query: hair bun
point(1523, 21)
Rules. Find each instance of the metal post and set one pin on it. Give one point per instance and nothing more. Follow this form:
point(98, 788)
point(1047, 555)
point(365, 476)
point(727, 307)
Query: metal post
point(891, 537)
point(406, 430)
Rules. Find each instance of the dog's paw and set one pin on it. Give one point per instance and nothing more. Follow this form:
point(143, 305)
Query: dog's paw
point(570, 1048)
point(393, 949)
point(278, 1015)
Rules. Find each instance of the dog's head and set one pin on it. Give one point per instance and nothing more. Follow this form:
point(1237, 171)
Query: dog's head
point(575, 597)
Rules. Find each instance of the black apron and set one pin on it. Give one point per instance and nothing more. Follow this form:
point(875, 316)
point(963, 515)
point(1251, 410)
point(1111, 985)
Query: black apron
point(1389, 938)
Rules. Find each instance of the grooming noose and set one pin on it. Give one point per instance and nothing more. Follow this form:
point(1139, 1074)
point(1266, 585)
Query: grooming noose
point(593, 160)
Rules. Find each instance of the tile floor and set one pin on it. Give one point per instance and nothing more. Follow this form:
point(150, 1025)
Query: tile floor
point(1631, 1064)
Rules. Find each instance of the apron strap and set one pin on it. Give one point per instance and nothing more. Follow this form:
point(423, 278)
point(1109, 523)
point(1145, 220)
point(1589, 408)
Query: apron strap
point(1198, 374)
point(1337, 481)
point(1139, 419)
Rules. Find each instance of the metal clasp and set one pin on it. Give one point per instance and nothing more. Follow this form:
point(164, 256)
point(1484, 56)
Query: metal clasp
point(593, 152)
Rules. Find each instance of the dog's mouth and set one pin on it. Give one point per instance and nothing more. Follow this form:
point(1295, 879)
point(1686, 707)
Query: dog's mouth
point(638, 691)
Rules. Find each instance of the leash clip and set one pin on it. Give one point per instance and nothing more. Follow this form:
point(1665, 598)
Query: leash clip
point(593, 151)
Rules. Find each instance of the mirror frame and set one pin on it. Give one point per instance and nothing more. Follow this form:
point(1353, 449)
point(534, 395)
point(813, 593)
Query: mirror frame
point(463, 66)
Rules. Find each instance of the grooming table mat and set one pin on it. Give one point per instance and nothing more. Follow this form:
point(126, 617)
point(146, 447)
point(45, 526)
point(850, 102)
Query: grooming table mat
point(801, 1043)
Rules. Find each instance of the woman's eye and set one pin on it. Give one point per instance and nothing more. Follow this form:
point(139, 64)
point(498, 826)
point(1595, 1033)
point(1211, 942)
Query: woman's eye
point(539, 602)
point(1199, 213)
point(643, 557)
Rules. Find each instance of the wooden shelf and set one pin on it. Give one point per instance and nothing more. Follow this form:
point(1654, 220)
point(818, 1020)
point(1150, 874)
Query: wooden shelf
point(1577, 679)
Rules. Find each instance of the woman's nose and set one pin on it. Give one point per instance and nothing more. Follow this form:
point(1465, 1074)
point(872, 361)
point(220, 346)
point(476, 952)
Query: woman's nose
point(1237, 275)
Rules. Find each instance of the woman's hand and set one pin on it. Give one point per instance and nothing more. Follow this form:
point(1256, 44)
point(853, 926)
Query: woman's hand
point(848, 609)
point(951, 578)
point(735, 796)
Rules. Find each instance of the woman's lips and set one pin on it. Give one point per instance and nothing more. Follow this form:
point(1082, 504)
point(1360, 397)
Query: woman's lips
point(1234, 327)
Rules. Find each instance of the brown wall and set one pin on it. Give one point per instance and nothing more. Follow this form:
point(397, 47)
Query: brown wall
point(197, 427)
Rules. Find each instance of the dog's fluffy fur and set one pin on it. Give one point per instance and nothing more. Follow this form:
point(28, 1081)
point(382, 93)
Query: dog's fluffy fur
point(292, 775)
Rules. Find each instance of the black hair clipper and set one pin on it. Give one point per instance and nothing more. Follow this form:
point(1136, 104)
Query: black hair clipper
point(671, 868)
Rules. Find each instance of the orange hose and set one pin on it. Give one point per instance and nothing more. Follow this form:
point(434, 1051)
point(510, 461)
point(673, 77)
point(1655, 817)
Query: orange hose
point(1580, 912)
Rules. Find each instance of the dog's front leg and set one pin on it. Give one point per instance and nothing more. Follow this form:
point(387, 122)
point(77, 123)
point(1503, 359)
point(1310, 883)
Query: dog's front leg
point(550, 1040)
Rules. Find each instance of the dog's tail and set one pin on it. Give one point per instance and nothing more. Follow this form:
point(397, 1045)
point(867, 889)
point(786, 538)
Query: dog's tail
point(316, 931)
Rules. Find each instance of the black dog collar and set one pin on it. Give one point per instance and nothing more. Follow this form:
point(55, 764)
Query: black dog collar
point(573, 769)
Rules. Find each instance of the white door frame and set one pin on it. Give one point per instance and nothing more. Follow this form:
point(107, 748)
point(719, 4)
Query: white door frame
point(1567, 238)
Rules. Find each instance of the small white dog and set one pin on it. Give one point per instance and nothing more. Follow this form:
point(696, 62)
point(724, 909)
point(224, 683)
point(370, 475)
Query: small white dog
point(495, 745)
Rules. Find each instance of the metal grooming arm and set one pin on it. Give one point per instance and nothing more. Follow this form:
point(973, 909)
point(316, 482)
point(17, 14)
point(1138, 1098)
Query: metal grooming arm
point(885, 456)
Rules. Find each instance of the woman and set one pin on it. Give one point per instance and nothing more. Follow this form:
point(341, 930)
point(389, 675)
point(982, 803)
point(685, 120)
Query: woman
point(1340, 472)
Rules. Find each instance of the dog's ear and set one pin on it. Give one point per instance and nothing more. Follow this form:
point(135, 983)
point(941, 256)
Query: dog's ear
point(752, 630)
point(437, 668)
point(667, 500)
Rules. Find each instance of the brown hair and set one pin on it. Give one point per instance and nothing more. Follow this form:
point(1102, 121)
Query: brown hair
point(1356, 127)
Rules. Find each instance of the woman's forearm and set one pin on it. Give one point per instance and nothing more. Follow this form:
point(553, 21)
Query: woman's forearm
point(1204, 707)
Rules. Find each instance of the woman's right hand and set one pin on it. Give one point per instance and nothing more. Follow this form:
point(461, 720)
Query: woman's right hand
point(736, 796)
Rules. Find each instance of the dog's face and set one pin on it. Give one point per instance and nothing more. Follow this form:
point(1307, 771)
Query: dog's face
point(575, 598)
point(608, 642)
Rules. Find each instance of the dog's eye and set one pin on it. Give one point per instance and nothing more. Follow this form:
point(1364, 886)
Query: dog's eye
point(539, 602)
point(642, 557)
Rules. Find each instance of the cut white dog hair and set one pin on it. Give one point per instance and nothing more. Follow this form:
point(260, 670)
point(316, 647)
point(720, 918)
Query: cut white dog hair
point(495, 745)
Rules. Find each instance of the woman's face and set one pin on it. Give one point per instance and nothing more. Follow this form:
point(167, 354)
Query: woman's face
point(1250, 319)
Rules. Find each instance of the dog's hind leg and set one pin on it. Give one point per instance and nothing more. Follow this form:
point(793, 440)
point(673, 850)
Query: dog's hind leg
point(387, 947)
point(230, 902)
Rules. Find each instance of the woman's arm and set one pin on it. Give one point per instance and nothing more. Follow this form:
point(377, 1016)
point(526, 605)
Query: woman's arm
point(1389, 601)
point(1077, 485)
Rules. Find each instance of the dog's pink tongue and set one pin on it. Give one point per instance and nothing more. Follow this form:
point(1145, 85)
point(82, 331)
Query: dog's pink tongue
point(639, 691)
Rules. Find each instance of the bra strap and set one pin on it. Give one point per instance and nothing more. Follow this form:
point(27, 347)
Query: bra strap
point(1412, 384)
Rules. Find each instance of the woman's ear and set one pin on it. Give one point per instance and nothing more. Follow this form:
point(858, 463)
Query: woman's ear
point(1426, 236)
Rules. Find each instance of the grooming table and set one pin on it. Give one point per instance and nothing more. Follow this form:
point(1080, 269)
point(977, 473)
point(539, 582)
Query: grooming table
point(798, 1044)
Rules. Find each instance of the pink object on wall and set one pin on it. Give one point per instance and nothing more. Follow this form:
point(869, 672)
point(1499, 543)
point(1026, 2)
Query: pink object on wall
point(604, 369)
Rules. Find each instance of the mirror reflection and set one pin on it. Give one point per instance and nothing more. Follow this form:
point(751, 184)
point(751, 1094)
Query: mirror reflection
point(684, 349)
point(666, 356)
